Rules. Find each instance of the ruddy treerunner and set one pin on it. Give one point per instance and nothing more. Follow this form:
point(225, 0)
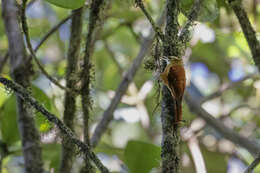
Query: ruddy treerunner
point(174, 78)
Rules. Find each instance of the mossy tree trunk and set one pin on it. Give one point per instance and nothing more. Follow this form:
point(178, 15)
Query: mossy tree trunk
point(171, 135)
point(21, 70)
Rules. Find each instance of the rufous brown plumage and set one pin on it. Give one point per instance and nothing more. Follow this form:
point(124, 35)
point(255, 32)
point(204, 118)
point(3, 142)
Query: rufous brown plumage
point(174, 78)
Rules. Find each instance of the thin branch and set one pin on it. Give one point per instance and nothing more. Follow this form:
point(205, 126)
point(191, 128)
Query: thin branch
point(29, 45)
point(184, 33)
point(52, 30)
point(25, 95)
point(68, 152)
point(44, 38)
point(252, 166)
point(196, 154)
point(243, 105)
point(225, 87)
point(96, 18)
point(113, 57)
point(156, 28)
point(248, 30)
point(135, 35)
point(128, 77)
point(226, 132)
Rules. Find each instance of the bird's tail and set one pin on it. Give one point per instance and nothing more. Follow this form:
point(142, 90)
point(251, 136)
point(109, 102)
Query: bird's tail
point(178, 117)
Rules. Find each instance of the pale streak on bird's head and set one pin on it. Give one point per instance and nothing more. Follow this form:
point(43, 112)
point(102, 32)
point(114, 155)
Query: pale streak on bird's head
point(174, 60)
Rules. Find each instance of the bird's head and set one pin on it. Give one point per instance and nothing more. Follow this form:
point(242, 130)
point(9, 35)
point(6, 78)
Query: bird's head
point(175, 60)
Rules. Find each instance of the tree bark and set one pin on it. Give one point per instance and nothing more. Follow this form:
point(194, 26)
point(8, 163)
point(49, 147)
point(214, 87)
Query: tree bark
point(68, 149)
point(21, 72)
point(171, 135)
point(95, 16)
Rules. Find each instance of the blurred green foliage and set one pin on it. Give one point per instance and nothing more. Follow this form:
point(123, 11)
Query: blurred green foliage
point(70, 4)
point(217, 44)
point(141, 157)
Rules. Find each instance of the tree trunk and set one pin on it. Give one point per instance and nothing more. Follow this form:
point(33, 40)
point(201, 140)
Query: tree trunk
point(21, 72)
point(171, 135)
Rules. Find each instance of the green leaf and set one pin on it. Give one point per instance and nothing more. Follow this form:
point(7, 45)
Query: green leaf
point(51, 154)
point(213, 56)
point(70, 4)
point(212, 159)
point(41, 122)
point(141, 157)
point(107, 71)
point(123, 11)
point(109, 150)
point(209, 10)
point(3, 95)
point(8, 123)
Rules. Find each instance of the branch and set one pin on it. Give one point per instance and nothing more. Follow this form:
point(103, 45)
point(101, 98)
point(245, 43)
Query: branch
point(25, 95)
point(184, 33)
point(52, 30)
point(136, 36)
point(156, 29)
point(68, 152)
point(29, 45)
point(248, 30)
point(44, 38)
point(112, 55)
point(226, 132)
point(252, 166)
point(95, 17)
point(243, 105)
point(196, 154)
point(225, 87)
point(107, 116)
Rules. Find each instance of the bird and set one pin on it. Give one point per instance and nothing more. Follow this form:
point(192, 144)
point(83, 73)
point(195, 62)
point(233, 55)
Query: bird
point(174, 78)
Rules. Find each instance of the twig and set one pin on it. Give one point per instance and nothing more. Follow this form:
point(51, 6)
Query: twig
point(29, 45)
point(51, 31)
point(252, 166)
point(184, 33)
point(113, 57)
point(44, 38)
point(243, 105)
point(128, 77)
point(136, 36)
point(225, 87)
point(24, 94)
point(156, 29)
point(248, 30)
